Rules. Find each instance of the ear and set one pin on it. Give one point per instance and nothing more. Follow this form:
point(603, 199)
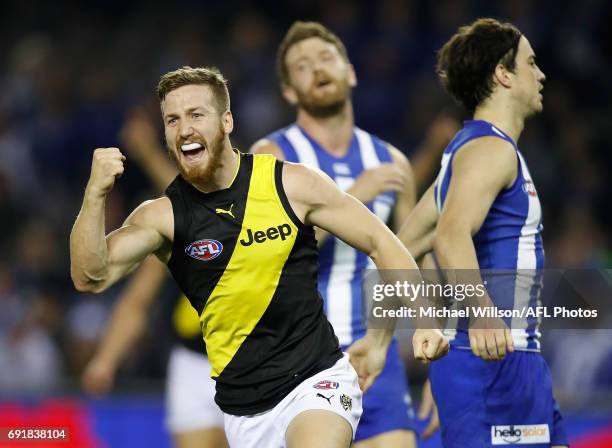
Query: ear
point(352, 76)
point(502, 76)
point(228, 122)
point(289, 94)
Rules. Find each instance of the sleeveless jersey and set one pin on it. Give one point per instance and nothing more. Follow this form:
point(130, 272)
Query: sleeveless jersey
point(342, 268)
point(248, 266)
point(509, 243)
point(181, 321)
point(186, 325)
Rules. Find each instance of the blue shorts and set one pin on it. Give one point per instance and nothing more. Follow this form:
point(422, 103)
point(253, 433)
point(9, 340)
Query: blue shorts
point(387, 405)
point(488, 403)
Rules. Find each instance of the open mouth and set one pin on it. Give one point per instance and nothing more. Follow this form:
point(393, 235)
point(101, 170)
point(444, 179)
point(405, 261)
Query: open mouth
point(322, 83)
point(192, 151)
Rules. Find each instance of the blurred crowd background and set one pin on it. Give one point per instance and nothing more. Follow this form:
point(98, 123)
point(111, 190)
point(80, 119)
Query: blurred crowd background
point(71, 76)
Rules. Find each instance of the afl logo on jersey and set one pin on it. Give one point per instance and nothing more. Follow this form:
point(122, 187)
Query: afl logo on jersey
point(326, 384)
point(529, 188)
point(204, 250)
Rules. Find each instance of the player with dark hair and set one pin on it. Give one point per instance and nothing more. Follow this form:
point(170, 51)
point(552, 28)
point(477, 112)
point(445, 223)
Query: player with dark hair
point(483, 212)
point(236, 231)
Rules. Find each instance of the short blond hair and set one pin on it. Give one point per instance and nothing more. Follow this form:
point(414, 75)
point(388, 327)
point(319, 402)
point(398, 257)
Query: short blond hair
point(207, 76)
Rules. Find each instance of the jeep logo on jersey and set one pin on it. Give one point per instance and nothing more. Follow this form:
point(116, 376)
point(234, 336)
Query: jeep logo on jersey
point(204, 250)
point(259, 236)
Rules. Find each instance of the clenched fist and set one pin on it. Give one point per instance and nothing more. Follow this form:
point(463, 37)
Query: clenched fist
point(429, 345)
point(490, 338)
point(368, 359)
point(106, 166)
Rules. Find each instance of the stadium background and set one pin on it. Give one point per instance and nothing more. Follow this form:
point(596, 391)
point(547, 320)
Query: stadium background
point(70, 75)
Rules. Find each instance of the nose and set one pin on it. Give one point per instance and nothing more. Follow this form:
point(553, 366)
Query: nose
point(185, 130)
point(317, 65)
point(542, 76)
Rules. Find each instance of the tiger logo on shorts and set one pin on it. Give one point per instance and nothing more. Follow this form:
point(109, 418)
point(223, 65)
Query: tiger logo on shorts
point(346, 402)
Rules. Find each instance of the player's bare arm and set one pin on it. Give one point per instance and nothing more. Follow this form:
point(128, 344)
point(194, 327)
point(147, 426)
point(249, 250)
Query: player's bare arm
point(99, 260)
point(418, 229)
point(406, 197)
point(428, 411)
point(481, 170)
point(374, 181)
point(427, 156)
point(127, 325)
point(396, 176)
point(318, 201)
point(265, 146)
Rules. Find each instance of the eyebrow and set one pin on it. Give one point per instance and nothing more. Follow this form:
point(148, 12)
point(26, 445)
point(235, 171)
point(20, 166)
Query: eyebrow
point(191, 109)
point(300, 59)
point(307, 58)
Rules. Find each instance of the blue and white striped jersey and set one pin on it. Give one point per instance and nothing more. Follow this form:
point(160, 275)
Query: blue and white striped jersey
point(342, 268)
point(508, 241)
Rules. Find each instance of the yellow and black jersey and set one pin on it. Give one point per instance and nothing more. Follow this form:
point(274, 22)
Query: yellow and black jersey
point(248, 266)
point(185, 325)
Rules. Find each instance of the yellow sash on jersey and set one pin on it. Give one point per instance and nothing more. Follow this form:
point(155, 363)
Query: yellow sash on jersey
point(251, 277)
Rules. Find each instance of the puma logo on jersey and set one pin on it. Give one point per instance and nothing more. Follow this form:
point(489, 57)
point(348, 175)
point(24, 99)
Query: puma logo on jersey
point(227, 212)
point(259, 236)
point(328, 399)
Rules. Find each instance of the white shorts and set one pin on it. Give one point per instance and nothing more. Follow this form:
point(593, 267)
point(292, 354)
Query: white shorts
point(190, 393)
point(335, 389)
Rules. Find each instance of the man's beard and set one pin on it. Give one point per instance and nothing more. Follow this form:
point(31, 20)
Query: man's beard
point(327, 105)
point(201, 174)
